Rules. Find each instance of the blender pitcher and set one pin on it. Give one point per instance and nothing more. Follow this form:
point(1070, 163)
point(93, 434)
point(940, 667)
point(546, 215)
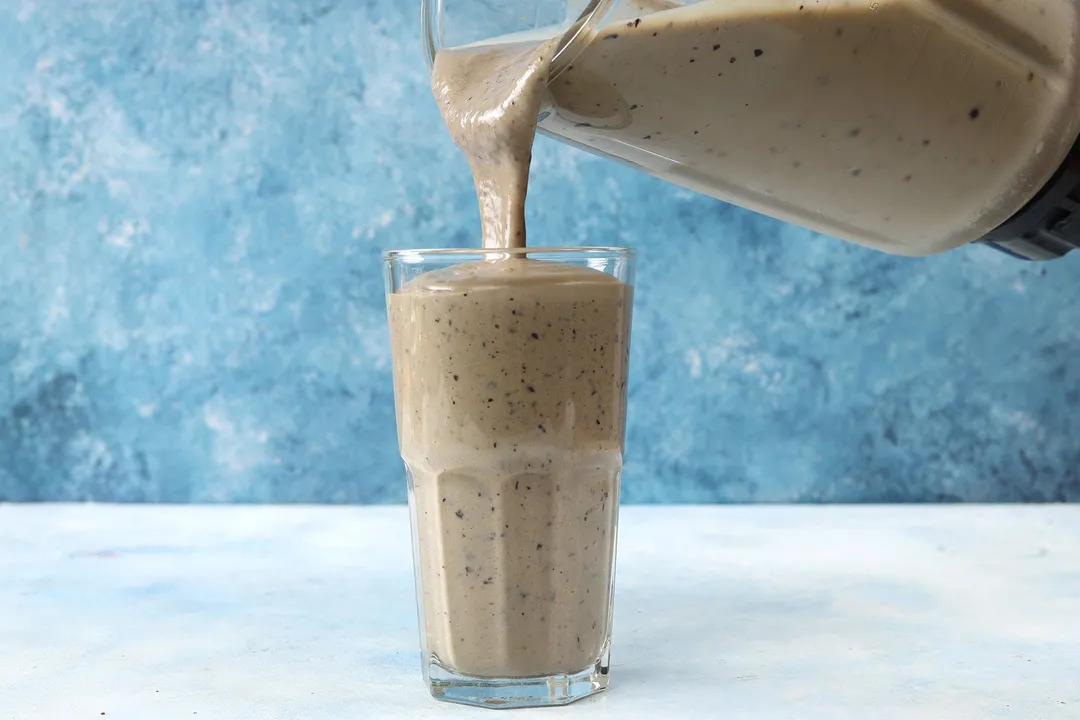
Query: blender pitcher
point(909, 126)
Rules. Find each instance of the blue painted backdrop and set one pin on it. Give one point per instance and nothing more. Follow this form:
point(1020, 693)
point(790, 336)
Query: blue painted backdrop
point(193, 197)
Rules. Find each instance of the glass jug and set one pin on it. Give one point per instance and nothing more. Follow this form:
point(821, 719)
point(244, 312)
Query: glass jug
point(910, 126)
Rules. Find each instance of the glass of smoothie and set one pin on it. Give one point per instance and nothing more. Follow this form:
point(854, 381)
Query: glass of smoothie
point(510, 373)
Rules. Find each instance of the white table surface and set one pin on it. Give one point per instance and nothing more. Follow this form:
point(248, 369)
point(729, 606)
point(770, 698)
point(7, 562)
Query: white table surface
point(812, 613)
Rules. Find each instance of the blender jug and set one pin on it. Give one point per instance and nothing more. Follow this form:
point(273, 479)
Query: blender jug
point(910, 126)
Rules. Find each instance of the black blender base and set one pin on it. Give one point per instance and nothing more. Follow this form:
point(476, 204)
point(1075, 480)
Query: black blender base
point(1048, 227)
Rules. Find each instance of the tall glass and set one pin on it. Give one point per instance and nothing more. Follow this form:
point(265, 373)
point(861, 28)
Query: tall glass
point(510, 372)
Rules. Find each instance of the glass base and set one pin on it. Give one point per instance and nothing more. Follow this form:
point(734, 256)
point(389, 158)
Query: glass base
point(505, 693)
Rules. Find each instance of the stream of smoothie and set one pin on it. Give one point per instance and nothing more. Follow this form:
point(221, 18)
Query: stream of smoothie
point(490, 99)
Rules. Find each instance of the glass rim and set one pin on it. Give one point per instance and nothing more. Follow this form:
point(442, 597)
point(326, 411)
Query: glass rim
point(582, 251)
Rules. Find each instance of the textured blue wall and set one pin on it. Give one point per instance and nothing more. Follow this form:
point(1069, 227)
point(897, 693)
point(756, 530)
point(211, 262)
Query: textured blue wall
point(193, 197)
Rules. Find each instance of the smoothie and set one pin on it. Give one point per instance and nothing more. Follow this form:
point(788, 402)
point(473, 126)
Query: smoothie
point(510, 382)
point(511, 397)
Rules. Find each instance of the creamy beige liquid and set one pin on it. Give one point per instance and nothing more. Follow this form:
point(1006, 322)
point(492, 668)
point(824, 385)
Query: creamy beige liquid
point(510, 381)
point(490, 98)
point(910, 126)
